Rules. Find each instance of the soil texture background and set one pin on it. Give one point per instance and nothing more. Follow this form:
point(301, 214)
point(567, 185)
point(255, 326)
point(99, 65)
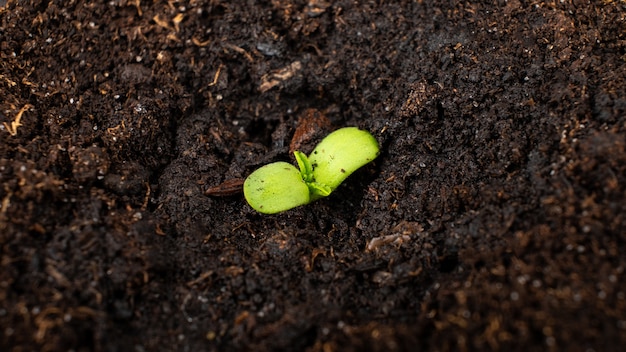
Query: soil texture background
point(493, 219)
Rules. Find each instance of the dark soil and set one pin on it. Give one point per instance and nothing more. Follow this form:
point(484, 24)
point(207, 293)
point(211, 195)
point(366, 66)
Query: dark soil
point(494, 218)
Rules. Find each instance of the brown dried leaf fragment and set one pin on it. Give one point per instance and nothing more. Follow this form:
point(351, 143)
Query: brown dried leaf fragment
point(311, 123)
point(227, 188)
point(271, 80)
point(400, 233)
point(17, 122)
point(316, 8)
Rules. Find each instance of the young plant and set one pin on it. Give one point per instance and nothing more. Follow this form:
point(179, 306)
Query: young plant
point(279, 186)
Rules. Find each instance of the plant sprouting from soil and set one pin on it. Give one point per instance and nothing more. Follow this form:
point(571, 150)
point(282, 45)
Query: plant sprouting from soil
point(279, 186)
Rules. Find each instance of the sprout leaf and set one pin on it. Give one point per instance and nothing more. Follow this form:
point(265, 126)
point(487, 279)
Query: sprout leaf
point(340, 154)
point(275, 187)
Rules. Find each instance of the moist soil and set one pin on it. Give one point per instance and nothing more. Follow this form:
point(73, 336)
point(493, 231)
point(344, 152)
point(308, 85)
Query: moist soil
point(494, 217)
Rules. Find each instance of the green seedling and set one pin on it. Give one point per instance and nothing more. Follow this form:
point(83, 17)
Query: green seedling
point(339, 155)
point(276, 187)
point(279, 186)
